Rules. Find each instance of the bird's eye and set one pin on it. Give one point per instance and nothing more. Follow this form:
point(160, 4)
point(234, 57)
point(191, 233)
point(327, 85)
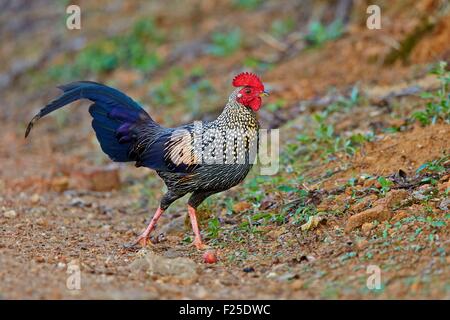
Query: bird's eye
point(248, 91)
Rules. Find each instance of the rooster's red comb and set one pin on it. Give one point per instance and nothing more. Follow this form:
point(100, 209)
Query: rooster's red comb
point(248, 79)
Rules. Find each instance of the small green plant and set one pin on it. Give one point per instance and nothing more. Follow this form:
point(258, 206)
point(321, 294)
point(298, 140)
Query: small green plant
point(347, 256)
point(257, 64)
point(300, 209)
point(225, 43)
point(247, 4)
point(344, 103)
point(274, 106)
point(213, 229)
point(435, 166)
point(281, 27)
point(318, 33)
point(326, 142)
point(135, 50)
point(385, 185)
point(438, 108)
point(163, 93)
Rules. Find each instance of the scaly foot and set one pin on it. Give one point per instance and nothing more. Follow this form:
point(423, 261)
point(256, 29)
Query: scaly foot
point(200, 245)
point(141, 241)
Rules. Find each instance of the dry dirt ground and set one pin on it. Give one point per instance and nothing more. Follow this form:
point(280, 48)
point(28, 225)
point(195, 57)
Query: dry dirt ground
point(64, 208)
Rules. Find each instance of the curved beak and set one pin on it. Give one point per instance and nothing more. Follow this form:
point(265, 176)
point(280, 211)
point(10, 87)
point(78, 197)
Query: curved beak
point(264, 94)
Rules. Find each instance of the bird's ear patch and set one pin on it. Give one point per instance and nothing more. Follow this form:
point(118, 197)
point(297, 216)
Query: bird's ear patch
point(247, 79)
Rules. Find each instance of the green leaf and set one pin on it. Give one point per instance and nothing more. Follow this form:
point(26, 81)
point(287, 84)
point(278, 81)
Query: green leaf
point(286, 188)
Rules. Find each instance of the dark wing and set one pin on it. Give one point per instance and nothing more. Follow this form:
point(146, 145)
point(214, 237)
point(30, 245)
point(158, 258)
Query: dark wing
point(170, 150)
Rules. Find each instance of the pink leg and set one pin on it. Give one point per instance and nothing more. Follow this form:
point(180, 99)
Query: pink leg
point(143, 238)
point(197, 240)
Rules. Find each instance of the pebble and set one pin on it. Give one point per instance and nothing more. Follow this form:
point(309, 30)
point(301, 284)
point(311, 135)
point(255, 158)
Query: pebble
point(399, 215)
point(77, 202)
point(297, 284)
point(10, 214)
point(418, 195)
point(153, 264)
point(366, 227)
point(445, 204)
point(35, 198)
point(361, 244)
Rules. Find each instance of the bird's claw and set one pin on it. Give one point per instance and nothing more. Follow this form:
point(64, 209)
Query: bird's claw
point(141, 241)
point(200, 245)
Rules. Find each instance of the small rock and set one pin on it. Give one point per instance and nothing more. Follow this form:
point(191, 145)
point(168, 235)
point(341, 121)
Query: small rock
point(97, 179)
point(153, 264)
point(77, 202)
point(379, 213)
point(358, 206)
point(445, 204)
point(297, 284)
point(367, 227)
point(443, 187)
point(241, 206)
point(363, 203)
point(287, 276)
point(138, 265)
point(171, 253)
point(35, 198)
point(400, 215)
point(394, 198)
point(312, 223)
point(276, 233)
point(60, 184)
point(361, 244)
point(418, 195)
point(10, 214)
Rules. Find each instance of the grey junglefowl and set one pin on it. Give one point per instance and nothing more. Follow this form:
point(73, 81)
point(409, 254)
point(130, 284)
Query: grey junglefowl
point(201, 158)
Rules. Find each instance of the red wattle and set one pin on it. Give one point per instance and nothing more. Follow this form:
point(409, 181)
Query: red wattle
point(255, 104)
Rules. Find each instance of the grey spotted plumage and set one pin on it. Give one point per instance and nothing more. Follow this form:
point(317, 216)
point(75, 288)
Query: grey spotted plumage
point(205, 173)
